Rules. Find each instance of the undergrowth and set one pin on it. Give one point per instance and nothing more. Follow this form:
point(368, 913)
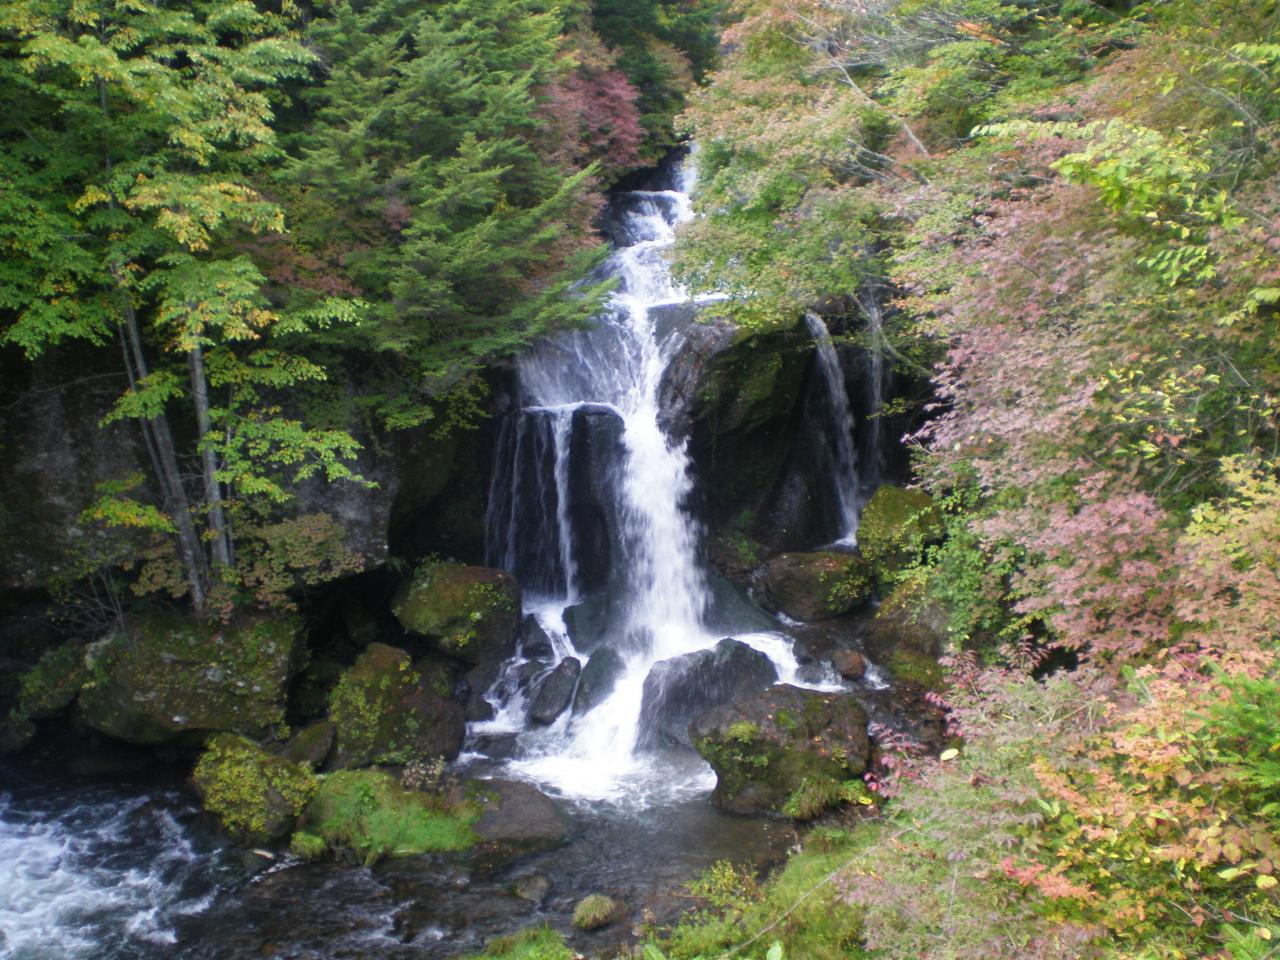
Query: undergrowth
point(368, 812)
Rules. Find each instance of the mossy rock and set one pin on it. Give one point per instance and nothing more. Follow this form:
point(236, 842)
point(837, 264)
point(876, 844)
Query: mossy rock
point(310, 746)
point(16, 732)
point(597, 911)
point(895, 526)
point(388, 709)
point(255, 795)
point(369, 813)
point(765, 749)
point(472, 613)
point(816, 586)
point(909, 621)
point(51, 685)
point(169, 678)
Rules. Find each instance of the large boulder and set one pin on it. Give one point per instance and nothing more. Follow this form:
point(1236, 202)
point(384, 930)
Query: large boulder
point(895, 526)
point(678, 689)
point(169, 677)
point(815, 586)
point(555, 692)
point(255, 795)
point(388, 709)
point(598, 679)
point(780, 743)
point(469, 612)
point(517, 818)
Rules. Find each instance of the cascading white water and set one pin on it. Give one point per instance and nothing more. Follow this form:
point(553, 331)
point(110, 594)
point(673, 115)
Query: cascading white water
point(844, 455)
point(659, 589)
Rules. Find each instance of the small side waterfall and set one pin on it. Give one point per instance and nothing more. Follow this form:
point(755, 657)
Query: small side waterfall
point(588, 507)
point(843, 454)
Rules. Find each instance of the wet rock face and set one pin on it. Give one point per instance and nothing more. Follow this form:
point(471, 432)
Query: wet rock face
point(168, 676)
point(534, 642)
point(389, 709)
point(555, 693)
point(310, 746)
point(518, 818)
point(595, 450)
point(471, 613)
point(766, 748)
point(677, 690)
point(815, 586)
point(737, 398)
point(598, 679)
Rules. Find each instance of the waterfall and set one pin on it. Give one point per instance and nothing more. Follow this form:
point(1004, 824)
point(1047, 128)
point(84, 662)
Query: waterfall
point(589, 502)
point(843, 455)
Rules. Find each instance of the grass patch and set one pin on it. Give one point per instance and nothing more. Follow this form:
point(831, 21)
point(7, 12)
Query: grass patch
point(540, 943)
point(367, 811)
point(817, 928)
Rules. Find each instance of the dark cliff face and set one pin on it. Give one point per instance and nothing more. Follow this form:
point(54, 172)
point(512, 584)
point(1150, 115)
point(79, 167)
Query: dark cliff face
point(427, 494)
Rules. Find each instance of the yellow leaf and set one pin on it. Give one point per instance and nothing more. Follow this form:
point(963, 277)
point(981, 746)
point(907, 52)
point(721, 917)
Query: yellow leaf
point(949, 754)
point(1264, 882)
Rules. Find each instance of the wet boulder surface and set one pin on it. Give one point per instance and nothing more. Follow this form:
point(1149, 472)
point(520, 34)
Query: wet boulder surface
point(678, 689)
point(555, 692)
point(169, 677)
point(389, 709)
point(815, 586)
point(766, 748)
point(468, 612)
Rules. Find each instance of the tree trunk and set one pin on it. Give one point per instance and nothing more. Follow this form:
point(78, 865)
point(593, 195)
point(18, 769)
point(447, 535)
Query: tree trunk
point(209, 460)
point(170, 477)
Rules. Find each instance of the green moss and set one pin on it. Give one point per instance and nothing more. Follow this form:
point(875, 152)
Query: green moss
point(541, 943)
point(53, 682)
point(367, 811)
point(168, 674)
point(374, 707)
point(850, 587)
point(308, 846)
point(895, 526)
point(917, 669)
point(594, 912)
point(467, 610)
point(744, 731)
point(254, 794)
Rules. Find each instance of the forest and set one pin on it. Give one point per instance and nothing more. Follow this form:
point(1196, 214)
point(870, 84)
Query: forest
point(294, 299)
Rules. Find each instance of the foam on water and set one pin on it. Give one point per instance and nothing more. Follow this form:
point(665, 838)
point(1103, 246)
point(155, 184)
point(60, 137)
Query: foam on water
point(95, 877)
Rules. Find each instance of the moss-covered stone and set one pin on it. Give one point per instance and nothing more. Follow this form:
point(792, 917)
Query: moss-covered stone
point(255, 795)
point(909, 620)
point(765, 749)
point(816, 586)
point(388, 709)
point(371, 814)
point(472, 613)
point(51, 685)
point(16, 732)
point(895, 526)
point(168, 677)
point(310, 746)
point(597, 911)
